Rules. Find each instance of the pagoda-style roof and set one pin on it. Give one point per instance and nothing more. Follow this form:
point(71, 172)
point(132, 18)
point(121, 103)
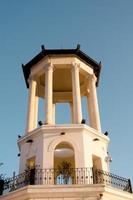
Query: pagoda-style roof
point(53, 52)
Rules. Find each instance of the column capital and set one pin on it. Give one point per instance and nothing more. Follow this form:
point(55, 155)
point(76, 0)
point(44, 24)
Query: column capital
point(49, 66)
point(90, 80)
point(75, 65)
point(32, 78)
point(93, 78)
point(87, 92)
point(87, 84)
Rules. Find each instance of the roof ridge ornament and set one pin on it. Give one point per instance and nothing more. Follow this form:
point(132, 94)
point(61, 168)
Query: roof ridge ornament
point(100, 64)
point(43, 47)
point(59, 52)
point(78, 47)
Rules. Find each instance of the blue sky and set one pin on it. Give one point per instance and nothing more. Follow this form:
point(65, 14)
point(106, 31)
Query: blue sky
point(104, 28)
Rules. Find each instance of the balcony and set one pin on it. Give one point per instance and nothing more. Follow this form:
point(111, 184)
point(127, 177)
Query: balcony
point(77, 176)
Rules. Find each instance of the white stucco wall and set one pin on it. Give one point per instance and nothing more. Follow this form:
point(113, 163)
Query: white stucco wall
point(80, 137)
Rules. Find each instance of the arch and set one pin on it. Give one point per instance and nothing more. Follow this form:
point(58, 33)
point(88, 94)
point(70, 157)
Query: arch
point(71, 141)
point(64, 163)
point(66, 139)
point(64, 153)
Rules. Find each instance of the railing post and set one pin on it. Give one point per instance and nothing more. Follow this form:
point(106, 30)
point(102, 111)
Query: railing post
point(93, 175)
point(130, 186)
point(32, 176)
point(96, 176)
point(1, 186)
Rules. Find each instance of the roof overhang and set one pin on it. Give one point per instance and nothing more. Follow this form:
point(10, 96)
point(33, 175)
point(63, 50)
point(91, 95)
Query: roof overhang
point(63, 52)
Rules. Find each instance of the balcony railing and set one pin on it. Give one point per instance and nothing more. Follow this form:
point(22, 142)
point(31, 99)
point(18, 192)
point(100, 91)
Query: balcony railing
point(66, 176)
point(112, 180)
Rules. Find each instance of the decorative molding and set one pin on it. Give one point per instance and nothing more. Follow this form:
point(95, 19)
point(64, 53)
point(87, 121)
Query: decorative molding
point(59, 140)
point(75, 65)
point(48, 66)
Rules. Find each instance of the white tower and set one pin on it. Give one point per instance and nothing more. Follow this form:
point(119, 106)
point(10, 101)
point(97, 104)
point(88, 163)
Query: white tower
point(63, 161)
point(63, 76)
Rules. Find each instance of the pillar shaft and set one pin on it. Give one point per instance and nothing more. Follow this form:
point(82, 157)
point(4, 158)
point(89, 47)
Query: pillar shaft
point(36, 112)
point(31, 105)
point(49, 94)
point(76, 94)
point(93, 104)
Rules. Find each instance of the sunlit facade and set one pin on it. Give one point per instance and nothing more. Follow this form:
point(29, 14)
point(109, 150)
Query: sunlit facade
point(64, 161)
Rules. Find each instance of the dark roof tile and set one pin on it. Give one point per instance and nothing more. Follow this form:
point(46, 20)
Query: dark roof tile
point(49, 52)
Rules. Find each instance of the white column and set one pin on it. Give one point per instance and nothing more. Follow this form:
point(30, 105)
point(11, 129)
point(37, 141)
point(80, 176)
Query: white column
point(72, 115)
point(48, 94)
point(76, 94)
point(93, 108)
point(31, 105)
point(54, 113)
point(36, 112)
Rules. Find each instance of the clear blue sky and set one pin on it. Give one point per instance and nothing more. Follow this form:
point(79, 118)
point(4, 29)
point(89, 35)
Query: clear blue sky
point(104, 28)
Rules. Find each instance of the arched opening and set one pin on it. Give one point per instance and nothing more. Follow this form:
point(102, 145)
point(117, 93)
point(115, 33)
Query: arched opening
point(64, 163)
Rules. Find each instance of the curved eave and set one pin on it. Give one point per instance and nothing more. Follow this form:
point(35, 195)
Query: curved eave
point(49, 52)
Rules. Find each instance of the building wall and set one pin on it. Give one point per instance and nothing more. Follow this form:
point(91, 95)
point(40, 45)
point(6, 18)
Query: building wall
point(80, 137)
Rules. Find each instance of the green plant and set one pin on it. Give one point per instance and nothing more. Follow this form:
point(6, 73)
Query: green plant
point(64, 168)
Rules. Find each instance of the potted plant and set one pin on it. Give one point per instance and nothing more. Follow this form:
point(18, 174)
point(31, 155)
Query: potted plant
point(64, 169)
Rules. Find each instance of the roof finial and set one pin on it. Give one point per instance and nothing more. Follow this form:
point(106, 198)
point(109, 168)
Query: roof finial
point(78, 46)
point(43, 48)
point(100, 64)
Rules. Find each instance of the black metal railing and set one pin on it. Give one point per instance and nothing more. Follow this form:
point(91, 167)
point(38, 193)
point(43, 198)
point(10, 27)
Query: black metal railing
point(19, 181)
point(62, 177)
point(65, 176)
point(100, 176)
